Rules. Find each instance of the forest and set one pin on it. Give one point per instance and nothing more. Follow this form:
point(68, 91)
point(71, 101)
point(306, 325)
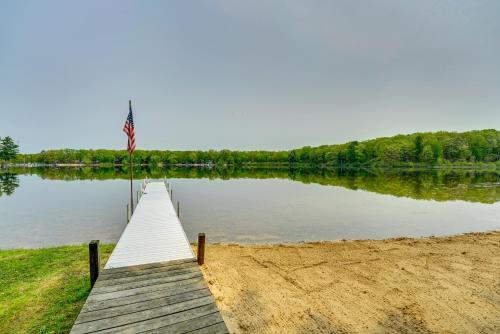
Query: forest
point(418, 149)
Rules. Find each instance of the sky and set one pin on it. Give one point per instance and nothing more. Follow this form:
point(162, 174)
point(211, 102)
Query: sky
point(244, 74)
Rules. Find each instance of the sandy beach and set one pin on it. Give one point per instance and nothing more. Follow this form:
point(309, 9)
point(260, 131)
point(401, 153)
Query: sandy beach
point(428, 285)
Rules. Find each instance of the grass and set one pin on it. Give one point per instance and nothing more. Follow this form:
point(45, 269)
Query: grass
point(42, 290)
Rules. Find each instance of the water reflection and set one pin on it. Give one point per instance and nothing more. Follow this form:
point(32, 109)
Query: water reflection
point(428, 184)
point(8, 183)
point(250, 205)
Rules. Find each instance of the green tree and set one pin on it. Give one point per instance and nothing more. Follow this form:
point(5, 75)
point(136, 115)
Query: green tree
point(351, 152)
point(427, 155)
point(419, 147)
point(478, 147)
point(8, 149)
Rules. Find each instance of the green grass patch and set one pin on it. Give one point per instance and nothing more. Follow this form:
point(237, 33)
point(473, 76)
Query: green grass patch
point(42, 290)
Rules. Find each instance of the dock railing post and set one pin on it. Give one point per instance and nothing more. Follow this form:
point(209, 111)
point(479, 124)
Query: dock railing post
point(94, 261)
point(137, 198)
point(128, 214)
point(201, 248)
point(178, 210)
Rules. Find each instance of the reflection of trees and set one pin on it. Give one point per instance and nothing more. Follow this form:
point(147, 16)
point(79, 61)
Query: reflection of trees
point(8, 183)
point(427, 184)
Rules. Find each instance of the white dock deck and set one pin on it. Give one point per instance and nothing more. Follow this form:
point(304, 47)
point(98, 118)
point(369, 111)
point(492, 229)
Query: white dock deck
point(154, 233)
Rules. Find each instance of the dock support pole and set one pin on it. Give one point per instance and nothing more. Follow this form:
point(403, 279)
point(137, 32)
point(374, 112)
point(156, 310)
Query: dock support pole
point(178, 210)
point(201, 248)
point(128, 214)
point(137, 198)
point(94, 261)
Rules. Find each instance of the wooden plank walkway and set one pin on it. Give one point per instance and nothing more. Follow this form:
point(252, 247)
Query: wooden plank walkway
point(151, 297)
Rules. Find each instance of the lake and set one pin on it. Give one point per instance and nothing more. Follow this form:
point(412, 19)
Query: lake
point(57, 206)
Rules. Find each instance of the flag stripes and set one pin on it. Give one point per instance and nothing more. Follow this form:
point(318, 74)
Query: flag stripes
point(130, 131)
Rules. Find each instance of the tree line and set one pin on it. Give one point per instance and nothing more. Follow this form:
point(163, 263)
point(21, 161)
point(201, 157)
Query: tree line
point(481, 146)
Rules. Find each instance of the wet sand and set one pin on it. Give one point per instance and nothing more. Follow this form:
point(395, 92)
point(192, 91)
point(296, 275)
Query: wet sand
point(443, 285)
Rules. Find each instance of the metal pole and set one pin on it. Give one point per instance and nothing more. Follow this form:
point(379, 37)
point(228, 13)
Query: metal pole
point(128, 216)
point(131, 171)
point(178, 210)
point(131, 186)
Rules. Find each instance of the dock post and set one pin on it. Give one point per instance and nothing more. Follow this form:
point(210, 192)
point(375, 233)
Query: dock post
point(128, 216)
point(178, 210)
point(94, 261)
point(201, 248)
point(137, 198)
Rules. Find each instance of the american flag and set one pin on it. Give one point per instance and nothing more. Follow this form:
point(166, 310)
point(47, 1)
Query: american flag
point(129, 130)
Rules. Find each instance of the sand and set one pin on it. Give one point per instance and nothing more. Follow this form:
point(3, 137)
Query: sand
point(442, 285)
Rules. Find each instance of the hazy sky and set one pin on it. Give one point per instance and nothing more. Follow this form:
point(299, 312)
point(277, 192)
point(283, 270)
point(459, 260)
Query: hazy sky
point(245, 75)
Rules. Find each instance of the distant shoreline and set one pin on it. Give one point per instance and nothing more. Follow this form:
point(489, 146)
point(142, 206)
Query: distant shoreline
point(429, 149)
point(479, 165)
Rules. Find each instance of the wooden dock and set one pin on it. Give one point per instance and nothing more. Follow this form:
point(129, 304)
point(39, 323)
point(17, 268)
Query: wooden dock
point(151, 282)
point(154, 233)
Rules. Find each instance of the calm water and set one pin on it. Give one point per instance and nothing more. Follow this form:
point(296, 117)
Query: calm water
point(42, 207)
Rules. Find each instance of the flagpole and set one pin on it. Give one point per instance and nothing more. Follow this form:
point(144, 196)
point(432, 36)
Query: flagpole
point(131, 190)
point(131, 172)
